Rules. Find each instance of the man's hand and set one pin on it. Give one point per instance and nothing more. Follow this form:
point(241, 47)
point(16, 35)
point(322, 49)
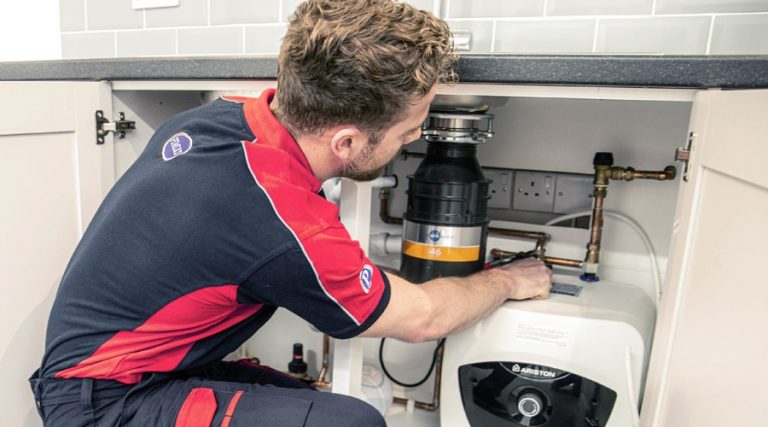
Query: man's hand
point(447, 305)
point(527, 278)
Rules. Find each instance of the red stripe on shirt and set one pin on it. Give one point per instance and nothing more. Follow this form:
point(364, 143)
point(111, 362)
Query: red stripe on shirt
point(162, 342)
point(280, 168)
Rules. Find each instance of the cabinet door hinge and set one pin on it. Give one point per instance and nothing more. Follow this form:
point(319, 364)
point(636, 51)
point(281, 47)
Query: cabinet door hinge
point(119, 126)
point(684, 154)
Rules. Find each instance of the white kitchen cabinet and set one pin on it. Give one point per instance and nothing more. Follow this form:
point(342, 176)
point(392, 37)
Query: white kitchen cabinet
point(53, 176)
point(708, 362)
point(710, 315)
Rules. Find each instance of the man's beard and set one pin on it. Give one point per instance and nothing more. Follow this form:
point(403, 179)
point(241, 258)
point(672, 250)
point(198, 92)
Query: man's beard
point(356, 168)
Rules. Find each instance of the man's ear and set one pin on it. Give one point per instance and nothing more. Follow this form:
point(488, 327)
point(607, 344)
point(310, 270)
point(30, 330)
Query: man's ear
point(347, 141)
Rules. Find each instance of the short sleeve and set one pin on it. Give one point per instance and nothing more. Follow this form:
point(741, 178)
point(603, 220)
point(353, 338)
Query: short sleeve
point(327, 280)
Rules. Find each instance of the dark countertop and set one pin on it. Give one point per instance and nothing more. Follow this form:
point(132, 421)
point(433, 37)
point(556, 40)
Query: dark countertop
point(635, 71)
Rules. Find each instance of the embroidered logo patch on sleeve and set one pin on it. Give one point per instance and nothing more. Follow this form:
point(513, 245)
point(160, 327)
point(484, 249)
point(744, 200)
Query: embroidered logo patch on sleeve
point(176, 145)
point(366, 278)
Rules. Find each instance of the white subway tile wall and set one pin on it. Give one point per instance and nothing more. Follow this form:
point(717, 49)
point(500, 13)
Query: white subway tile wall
point(494, 8)
point(225, 12)
point(98, 28)
point(599, 7)
point(482, 33)
point(264, 38)
point(189, 13)
point(211, 40)
point(72, 15)
point(111, 15)
point(288, 7)
point(146, 43)
point(573, 36)
point(674, 35)
point(88, 45)
point(711, 6)
point(740, 34)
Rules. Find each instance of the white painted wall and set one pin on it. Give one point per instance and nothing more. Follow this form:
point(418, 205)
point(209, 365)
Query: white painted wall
point(29, 30)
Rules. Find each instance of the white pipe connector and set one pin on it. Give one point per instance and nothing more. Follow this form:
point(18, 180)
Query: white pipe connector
point(383, 244)
point(384, 182)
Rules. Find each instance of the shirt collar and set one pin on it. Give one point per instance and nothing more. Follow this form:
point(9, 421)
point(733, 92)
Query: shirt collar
point(269, 131)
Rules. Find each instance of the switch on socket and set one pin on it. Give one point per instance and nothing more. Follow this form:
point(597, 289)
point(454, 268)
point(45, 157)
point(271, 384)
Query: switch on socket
point(500, 188)
point(534, 191)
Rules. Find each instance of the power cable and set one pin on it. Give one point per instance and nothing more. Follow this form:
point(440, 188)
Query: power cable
point(440, 344)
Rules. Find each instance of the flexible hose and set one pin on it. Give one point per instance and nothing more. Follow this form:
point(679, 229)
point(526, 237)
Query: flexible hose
point(634, 225)
point(440, 343)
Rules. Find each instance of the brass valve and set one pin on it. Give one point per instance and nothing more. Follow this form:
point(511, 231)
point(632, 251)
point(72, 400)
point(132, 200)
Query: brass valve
point(605, 171)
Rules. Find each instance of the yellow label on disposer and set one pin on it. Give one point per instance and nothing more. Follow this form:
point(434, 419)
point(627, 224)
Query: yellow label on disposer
point(441, 253)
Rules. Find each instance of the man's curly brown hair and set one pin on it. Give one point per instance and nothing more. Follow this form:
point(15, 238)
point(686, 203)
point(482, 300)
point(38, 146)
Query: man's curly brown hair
point(359, 62)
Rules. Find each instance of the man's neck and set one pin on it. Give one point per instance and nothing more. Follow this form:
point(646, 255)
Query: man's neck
point(312, 146)
point(318, 156)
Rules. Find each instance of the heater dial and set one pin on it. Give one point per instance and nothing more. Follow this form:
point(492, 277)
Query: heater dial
point(529, 405)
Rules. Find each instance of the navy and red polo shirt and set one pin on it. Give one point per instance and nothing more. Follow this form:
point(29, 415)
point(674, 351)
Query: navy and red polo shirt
point(219, 222)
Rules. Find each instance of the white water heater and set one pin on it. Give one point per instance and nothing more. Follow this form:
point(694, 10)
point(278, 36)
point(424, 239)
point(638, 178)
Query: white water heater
point(575, 359)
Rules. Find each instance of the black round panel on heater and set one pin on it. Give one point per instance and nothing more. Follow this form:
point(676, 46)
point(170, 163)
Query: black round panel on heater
point(507, 394)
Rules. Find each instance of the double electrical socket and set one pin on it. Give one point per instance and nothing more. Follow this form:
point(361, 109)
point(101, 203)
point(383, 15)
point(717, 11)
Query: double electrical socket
point(511, 190)
point(537, 191)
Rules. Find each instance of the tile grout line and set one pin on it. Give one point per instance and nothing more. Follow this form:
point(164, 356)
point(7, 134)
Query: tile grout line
point(85, 13)
point(709, 36)
point(594, 39)
point(493, 37)
point(209, 13)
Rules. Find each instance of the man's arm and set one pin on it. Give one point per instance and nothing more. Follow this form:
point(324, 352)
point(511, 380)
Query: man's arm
point(446, 305)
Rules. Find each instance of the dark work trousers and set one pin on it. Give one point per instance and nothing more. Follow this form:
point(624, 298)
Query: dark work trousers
point(227, 394)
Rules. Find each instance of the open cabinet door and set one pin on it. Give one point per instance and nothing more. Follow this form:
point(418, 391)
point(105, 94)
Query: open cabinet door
point(708, 366)
point(53, 176)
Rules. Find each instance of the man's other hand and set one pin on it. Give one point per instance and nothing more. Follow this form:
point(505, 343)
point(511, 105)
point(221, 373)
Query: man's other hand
point(528, 278)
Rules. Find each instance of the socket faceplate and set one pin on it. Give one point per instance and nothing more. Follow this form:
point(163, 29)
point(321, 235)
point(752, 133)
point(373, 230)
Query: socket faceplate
point(534, 191)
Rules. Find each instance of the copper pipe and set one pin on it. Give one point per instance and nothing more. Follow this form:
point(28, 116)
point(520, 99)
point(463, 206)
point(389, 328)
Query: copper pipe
point(667, 174)
point(541, 238)
point(501, 253)
point(629, 174)
point(435, 405)
point(321, 383)
point(592, 258)
point(597, 221)
point(563, 262)
point(604, 172)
